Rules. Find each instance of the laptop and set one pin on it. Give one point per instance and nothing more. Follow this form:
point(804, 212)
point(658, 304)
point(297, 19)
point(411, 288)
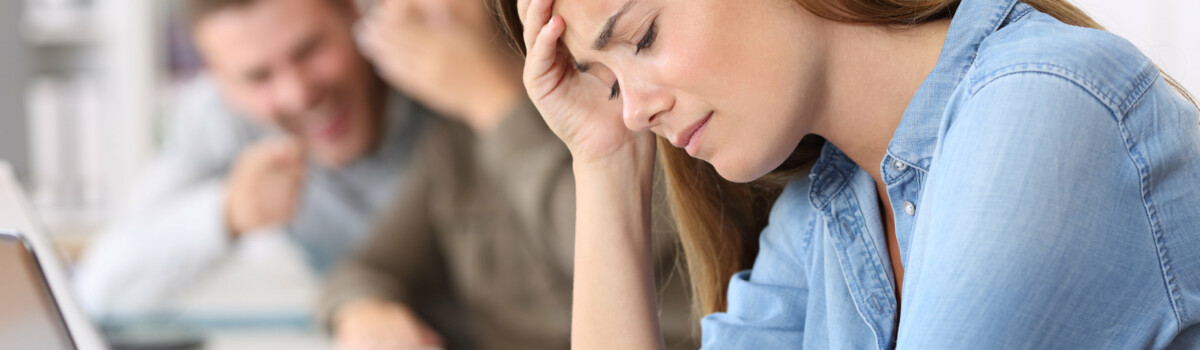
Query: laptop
point(37, 310)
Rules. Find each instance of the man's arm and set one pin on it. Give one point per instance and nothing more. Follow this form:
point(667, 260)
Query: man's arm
point(172, 226)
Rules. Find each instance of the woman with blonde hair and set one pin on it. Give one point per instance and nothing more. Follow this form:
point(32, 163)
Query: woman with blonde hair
point(918, 174)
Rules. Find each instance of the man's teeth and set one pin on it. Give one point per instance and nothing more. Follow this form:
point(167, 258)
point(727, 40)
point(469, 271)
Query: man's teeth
point(320, 117)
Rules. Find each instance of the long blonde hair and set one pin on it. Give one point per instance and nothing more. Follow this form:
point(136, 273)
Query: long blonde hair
point(719, 221)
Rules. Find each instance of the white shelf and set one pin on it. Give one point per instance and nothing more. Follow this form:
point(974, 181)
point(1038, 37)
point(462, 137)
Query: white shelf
point(60, 24)
point(74, 34)
point(113, 45)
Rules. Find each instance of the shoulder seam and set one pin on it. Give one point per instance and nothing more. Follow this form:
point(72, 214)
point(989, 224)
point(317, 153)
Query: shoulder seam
point(1164, 260)
point(1118, 104)
point(1118, 109)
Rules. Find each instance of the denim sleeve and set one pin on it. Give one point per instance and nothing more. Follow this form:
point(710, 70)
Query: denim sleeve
point(767, 304)
point(1037, 233)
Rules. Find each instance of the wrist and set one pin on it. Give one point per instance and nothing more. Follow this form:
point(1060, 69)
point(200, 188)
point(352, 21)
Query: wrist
point(629, 166)
point(622, 184)
point(232, 221)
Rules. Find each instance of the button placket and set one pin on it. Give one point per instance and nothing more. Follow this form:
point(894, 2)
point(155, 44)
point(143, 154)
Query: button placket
point(900, 167)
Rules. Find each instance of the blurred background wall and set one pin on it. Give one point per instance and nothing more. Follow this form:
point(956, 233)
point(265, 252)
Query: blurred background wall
point(85, 85)
point(1166, 30)
point(81, 90)
point(14, 69)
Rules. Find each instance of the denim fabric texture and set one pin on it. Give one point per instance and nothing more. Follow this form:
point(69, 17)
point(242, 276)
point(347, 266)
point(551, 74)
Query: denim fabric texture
point(1045, 182)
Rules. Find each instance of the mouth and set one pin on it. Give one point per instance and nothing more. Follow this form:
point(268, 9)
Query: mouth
point(689, 139)
point(326, 124)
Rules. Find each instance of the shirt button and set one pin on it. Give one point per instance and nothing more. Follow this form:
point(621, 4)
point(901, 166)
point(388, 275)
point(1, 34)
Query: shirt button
point(910, 208)
point(899, 166)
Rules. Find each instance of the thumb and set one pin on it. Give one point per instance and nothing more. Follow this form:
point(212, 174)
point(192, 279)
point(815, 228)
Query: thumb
point(285, 152)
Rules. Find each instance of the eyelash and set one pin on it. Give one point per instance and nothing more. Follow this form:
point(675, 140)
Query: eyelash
point(647, 40)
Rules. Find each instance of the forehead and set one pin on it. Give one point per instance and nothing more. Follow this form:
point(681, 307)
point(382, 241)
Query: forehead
point(262, 28)
point(585, 19)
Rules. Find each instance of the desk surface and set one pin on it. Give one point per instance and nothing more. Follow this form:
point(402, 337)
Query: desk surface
point(259, 297)
point(266, 340)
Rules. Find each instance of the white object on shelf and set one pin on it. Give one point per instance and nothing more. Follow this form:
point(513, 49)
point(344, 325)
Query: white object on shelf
point(131, 69)
point(59, 22)
point(67, 147)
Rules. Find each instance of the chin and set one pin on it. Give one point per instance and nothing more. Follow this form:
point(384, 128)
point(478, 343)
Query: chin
point(341, 152)
point(741, 170)
point(334, 158)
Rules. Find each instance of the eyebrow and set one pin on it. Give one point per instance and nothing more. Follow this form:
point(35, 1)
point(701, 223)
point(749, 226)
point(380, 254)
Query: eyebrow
point(606, 33)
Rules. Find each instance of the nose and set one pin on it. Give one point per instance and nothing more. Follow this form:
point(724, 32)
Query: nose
point(644, 104)
point(295, 91)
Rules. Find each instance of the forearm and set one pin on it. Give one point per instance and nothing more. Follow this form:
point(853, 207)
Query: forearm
point(350, 282)
point(135, 265)
point(614, 296)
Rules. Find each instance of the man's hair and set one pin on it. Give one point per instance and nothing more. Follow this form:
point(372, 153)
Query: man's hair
point(197, 10)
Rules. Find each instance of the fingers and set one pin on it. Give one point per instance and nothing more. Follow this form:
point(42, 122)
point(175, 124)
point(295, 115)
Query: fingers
point(522, 8)
point(542, 57)
point(370, 324)
point(265, 185)
point(285, 152)
point(537, 16)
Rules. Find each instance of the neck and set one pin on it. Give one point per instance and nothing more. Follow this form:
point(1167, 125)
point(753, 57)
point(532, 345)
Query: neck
point(872, 76)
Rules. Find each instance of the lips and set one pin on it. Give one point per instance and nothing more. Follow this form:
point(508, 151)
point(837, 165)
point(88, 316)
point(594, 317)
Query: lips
point(330, 129)
point(325, 122)
point(689, 137)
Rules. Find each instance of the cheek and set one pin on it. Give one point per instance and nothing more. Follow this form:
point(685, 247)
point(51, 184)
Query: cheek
point(334, 65)
point(342, 74)
point(256, 102)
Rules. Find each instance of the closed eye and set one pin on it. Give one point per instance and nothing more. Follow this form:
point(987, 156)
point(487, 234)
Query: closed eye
point(647, 40)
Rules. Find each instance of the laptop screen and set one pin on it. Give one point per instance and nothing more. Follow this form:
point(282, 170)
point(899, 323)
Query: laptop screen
point(29, 316)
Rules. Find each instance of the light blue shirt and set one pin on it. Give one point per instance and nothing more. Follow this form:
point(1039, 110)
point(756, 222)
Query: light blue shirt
point(1045, 182)
point(171, 232)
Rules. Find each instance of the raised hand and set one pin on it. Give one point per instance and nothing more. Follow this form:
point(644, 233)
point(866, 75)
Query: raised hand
point(442, 54)
point(613, 294)
point(574, 105)
point(264, 187)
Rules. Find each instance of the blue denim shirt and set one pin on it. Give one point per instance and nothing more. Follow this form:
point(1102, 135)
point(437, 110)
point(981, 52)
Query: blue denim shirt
point(1045, 181)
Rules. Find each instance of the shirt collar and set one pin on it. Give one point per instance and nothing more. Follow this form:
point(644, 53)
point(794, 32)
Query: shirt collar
point(916, 137)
